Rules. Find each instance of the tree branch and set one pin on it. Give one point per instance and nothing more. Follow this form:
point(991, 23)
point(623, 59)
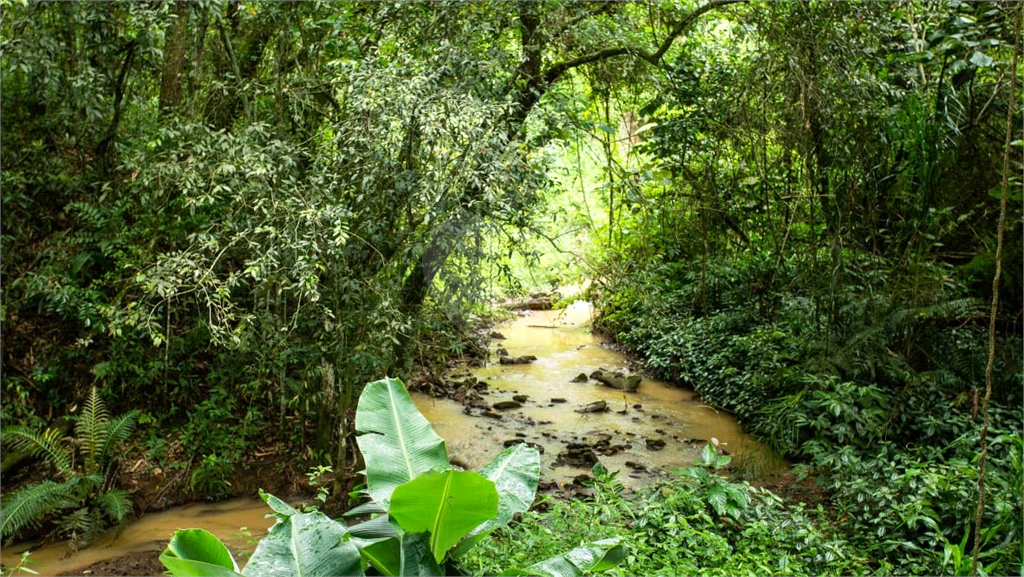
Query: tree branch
point(560, 68)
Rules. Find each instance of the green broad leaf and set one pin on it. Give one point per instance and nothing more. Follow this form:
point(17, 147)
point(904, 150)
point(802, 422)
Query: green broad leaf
point(981, 60)
point(397, 442)
point(385, 556)
point(717, 498)
point(514, 472)
point(709, 455)
point(590, 558)
point(198, 553)
point(277, 505)
point(374, 529)
point(447, 504)
point(368, 507)
point(408, 554)
point(307, 545)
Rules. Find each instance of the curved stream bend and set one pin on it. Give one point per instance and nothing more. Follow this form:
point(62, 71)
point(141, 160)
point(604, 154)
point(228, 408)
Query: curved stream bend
point(564, 346)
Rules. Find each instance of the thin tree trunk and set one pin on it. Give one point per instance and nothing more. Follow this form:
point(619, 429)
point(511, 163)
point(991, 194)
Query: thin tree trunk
point(995, 296)
point(174, 59)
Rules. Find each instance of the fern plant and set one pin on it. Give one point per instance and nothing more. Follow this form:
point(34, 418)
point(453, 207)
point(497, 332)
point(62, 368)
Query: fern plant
point(85, 493)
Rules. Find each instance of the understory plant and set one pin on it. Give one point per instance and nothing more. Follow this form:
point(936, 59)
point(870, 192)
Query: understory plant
point(425, 515)
point(86, 497)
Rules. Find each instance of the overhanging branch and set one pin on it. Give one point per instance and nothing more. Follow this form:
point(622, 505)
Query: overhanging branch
point(559, 68)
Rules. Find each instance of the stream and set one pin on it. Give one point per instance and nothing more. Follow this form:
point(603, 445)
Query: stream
point(564, 346)
point(238, 522)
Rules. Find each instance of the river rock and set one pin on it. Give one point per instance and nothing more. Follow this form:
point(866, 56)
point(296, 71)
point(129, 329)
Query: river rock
point(655, 444)
point(595, 407)
point(523, 360)
point(617, 380)
point(501, 352)
point(636, 466)
point(512, 442)
point(491, 414)
point(496, 335)
point(581, 378)
point(577, 455)
point(519, 398)
point(558, 400)
point(506, 405)
point(538, 302)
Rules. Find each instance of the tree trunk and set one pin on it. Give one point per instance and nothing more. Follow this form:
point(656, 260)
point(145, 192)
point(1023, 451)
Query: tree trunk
point(174, 58)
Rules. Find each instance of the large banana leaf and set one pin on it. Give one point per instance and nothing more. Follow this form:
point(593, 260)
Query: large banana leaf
point(198, 553)
point(514, 472)
point(592, 557)
point(446, 504)
point(306, 545)
point(407, 554)
point(397, 442)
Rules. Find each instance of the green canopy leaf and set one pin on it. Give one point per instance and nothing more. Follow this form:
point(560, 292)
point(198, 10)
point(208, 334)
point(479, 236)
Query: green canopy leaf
point(397, 442)
point(447, 504)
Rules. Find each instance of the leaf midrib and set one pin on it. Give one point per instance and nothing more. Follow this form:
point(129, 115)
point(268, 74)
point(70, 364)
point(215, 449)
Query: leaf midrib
point(440, 513)
point(398, 430)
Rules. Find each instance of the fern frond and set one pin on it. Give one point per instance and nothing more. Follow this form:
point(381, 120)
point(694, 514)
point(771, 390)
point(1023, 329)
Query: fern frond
point(115, 504)
point(118, 431)
point(29, 505)
point(91, 430)
point(81, 527)
point(47, 445)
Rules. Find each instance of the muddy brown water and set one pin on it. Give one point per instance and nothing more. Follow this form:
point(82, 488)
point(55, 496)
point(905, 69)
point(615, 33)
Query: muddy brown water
point(239, 523)
point(565, 347)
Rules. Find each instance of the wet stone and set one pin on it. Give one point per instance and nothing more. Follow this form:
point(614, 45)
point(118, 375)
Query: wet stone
point(581, 378)
point(519, 398)
point(523, 360)
point(558, 400)
point(655, 444)
point(595, 407)
point(506, 405)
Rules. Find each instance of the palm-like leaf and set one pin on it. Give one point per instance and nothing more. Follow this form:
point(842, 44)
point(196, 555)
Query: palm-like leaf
point(91, 430)
point(26, 506)
point(397, 442)
point(115, 504)
point(47, 445)
point(118, 431)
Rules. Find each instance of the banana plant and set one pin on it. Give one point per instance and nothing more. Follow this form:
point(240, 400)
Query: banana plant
point(427, 514)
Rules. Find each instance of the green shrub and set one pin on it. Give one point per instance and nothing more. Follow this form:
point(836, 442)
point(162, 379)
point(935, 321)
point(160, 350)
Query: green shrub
point(86, 497)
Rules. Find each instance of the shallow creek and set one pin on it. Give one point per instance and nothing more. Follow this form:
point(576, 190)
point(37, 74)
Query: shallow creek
point(226, 520)
point(564, 346)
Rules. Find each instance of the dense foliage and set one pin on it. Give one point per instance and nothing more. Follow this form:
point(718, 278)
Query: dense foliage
point(812, 248)
point(221, 218)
